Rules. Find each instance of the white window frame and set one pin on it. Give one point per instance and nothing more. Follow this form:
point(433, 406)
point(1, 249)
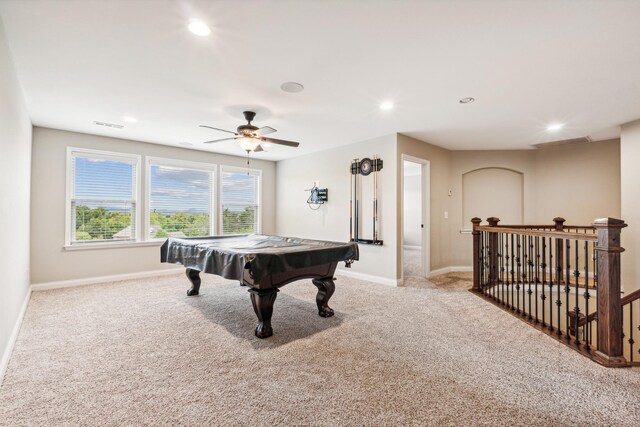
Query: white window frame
point(225, 168)
point(105, 155)
point(187, 164)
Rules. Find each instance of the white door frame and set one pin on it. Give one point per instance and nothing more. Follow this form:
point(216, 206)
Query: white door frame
point(426, 214)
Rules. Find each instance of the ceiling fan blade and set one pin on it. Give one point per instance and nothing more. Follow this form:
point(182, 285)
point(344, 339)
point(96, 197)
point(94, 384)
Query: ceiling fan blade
point(258, 149)
point(281, 142)
point(218, 140)
point(265, 130)
point(221, 130)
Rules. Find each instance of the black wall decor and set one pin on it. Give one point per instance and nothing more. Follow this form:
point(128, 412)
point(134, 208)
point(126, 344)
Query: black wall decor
point(363, 167)
point(317, 197)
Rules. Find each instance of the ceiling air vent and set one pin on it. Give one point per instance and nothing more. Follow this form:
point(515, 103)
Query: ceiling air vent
point(109, 125)
point(580, 140)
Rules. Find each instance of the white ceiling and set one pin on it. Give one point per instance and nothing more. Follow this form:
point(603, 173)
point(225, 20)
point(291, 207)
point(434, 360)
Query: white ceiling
point(527, 63)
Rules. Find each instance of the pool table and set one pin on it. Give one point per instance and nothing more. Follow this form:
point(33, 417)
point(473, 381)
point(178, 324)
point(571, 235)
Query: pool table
point(262, 263)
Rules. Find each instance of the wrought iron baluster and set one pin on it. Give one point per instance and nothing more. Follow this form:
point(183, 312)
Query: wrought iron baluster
point(567, 287)
point(585, 335)
point(576, 273)
point(543, 297)
point(595, 281)
point(502, 269)
point(558, 245)
point(551, 285)
point(530, 268)
point(481, 259)
point(513, 261)
point(518, 275)
point(631, 342)
point(507, 270)
point(537, 267)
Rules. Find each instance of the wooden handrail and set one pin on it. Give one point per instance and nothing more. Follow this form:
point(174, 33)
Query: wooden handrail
point(547, 226)
point(624, 301)
point(630, 298)
point(522, 232)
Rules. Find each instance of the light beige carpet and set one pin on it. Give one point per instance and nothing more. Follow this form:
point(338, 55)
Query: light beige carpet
point(142, 353)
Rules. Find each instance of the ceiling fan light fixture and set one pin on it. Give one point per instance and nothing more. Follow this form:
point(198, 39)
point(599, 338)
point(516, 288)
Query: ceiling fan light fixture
point(248, 144)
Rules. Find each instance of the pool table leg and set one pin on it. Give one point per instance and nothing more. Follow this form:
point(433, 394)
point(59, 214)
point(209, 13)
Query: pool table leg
point(326, 287)
point(262, 300)
point(194, 278)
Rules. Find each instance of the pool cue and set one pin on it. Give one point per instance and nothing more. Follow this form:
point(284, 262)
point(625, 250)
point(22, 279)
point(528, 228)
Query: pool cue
point(350, 203)
point(355, 190)
point(375, 198)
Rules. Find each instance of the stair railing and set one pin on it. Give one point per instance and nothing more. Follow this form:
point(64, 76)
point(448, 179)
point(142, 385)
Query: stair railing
point(547, 275)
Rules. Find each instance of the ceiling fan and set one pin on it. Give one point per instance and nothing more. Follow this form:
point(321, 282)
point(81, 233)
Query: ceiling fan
point(251, 137)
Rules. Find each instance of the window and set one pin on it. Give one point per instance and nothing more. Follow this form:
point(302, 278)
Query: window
point(180, 199)
point(240, 201)
point(101, 197)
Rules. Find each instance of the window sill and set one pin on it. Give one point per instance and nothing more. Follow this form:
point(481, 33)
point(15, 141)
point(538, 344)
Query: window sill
point(120, 245)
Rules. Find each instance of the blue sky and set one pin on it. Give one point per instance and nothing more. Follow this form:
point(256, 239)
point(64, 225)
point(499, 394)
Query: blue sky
point(172, 189)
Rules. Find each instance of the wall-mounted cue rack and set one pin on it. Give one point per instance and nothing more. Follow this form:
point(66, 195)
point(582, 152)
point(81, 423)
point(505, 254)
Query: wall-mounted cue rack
point(363, 167)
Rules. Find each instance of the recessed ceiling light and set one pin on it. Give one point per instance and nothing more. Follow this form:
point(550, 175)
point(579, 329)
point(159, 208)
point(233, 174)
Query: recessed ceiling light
point(199, 28)
point(554, 127)
point(386, 106)
point(467, 100)
point(291, 87)
point(185, 144)
point(129, 119)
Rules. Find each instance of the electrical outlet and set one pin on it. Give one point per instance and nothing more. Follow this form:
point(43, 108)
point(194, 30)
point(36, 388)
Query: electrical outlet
point(446, 215)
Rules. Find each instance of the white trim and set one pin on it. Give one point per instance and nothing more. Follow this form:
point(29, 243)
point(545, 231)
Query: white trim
point(222, 169)
point(369, 277)
point(115, 245)
point(211, 168)
point(4, 362)
point(451, 269)
point(425, 185)
point(102, 279)
point(134, 159)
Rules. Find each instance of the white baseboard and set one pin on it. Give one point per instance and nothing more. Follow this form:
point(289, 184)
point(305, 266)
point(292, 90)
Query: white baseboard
point(4, 362)
point(450, 269)
point(102, 279)
point(369, 277)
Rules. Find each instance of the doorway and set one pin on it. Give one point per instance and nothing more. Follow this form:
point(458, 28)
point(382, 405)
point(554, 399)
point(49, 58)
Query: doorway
point(415, 217)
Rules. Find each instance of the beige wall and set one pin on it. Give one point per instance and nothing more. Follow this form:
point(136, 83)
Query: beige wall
point(439, 183)
point(15, 166)
point(630, 211)
point(466, 161)
point(50, 261)
point(578, 182)
point(331, 221)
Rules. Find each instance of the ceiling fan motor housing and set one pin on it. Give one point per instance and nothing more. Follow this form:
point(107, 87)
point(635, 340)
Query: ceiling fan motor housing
point(247, 129)
point(249, 115)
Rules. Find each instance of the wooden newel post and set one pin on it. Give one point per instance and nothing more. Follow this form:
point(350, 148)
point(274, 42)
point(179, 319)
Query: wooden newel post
point(609, 306)
point(477, 260)
point(493, 251)
point(559, 226)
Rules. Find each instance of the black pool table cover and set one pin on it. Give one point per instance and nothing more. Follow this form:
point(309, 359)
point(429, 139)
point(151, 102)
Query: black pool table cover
point(228, 256)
